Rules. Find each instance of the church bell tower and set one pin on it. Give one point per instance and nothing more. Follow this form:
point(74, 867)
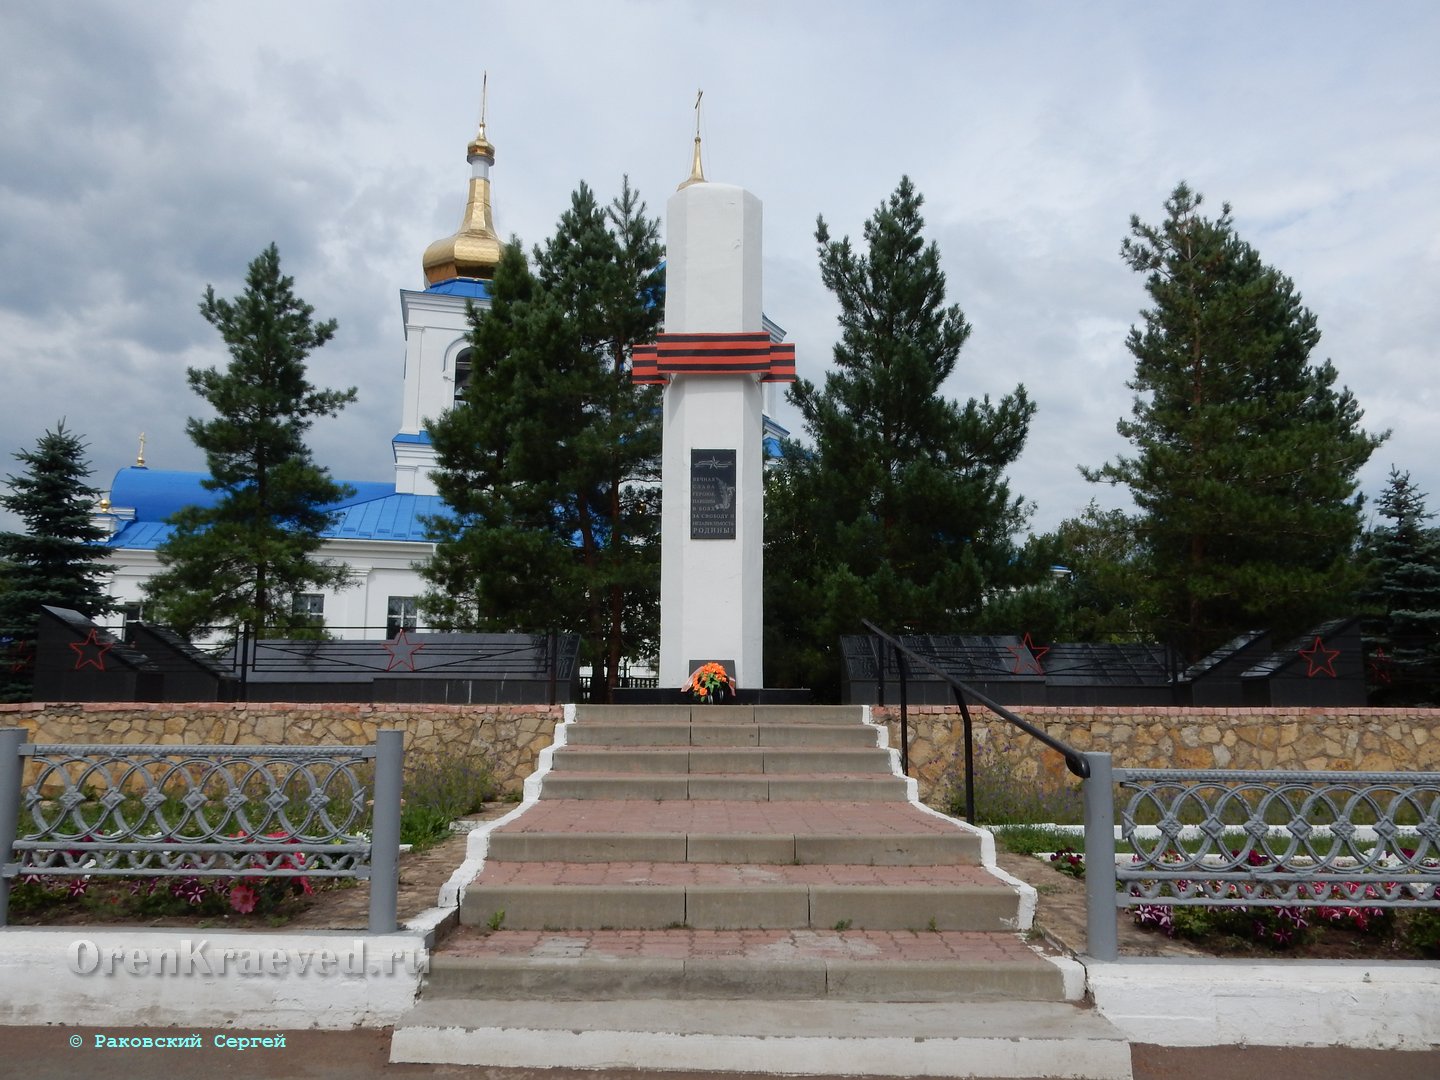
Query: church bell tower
point(458, 270)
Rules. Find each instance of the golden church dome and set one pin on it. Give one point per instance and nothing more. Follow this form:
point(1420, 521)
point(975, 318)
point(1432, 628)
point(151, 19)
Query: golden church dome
point(474, 250)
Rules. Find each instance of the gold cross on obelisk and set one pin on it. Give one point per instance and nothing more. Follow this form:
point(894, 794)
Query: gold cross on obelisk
point(697, 172)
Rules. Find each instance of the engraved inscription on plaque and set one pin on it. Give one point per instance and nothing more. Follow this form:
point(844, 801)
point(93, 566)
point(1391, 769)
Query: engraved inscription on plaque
point(712, 494)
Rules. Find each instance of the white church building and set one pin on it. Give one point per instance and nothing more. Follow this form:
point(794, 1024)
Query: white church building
point(379, 531)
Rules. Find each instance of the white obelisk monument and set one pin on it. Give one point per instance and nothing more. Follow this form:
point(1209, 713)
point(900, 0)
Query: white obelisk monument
point(712, 359)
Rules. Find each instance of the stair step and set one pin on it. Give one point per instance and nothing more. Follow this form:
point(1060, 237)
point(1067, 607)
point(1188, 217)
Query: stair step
point(609, 733)
point(867, 965)
point(824, 1037)
point(721, 714)
point(750, 888)
point(885, 849)
point(637, 895)
point(722, 786)
point(821, 817)
point(747, 761)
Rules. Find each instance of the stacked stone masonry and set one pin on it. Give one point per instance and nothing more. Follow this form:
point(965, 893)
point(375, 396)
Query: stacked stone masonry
point(1378, 740)
point(512, 736)
point(509, 736)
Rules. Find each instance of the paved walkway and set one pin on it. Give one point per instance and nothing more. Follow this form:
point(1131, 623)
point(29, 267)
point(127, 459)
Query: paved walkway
point(46, 1054)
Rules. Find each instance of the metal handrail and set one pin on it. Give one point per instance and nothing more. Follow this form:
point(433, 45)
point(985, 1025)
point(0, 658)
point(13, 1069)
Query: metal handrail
point(1075, 761)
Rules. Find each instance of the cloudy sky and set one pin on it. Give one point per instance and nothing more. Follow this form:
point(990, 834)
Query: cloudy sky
point(148, 149)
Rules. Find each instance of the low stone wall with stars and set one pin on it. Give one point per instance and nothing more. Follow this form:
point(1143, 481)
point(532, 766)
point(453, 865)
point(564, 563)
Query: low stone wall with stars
point(509, 736)
point(1146, 737)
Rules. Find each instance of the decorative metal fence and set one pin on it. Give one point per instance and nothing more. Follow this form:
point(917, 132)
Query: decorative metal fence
point(203, 811)
point(1239, 838)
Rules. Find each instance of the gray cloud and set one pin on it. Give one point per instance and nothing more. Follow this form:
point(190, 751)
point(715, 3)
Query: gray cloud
point(147, 150)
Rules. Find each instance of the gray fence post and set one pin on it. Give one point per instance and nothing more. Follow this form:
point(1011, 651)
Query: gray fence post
point(385, 832)
point(1100, 908)
point(11, 771)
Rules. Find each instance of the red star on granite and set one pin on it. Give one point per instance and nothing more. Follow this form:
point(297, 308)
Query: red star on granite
point(1027, 657)
point(402, 651)
point(22, 656)
point(1379, 667)
point(1318, 666)
point(91, 652)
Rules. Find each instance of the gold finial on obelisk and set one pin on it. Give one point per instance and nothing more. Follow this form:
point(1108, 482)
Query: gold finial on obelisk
point(697, 173)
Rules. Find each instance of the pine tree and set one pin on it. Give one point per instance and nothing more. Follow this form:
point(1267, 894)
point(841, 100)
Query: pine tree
point(550, 464)
point(900, 510)
point(57, 560)
point(239, 562)
point(1404, 634)
point(1246, 454)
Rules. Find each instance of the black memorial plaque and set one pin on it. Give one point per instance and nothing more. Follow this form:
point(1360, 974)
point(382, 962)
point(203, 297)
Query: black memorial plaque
point(712, 494)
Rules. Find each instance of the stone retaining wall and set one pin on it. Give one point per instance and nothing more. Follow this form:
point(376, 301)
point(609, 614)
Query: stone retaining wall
point(1145, 737)
point(512, 736)
point(509, 736)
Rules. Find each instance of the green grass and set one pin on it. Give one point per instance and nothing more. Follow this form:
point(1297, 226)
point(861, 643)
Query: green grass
point(1003, 796)
point(439, 789)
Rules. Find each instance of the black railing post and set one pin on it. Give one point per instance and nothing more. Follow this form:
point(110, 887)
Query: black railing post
point(969, 756)
point(880, 660)
point(245, 660)
point(1074, 760)
point(904, 714)
point(552, 660)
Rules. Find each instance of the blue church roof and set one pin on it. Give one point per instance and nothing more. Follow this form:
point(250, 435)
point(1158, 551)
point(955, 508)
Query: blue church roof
point(375, 512)
point(471, 287)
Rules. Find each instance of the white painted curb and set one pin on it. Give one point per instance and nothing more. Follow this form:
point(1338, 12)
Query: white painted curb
point(1028, 896)
point(1392, 1005)
point(124, 977)
point(477, 847)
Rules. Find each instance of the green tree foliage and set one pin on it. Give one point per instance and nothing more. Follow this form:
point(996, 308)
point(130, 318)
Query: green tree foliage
point(551, 462)
point(1246, 453)
point(240, 561)
point(1095, 598)
point(1404, 593)
point(57, 560)
point(900, 511)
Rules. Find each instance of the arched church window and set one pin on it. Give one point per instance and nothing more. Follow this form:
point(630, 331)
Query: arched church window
point(462, 374)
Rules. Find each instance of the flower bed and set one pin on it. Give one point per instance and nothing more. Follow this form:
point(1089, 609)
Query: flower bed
point(1335, 913)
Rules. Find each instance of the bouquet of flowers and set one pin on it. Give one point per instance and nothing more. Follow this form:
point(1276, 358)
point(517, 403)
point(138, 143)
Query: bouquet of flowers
point(709, 684)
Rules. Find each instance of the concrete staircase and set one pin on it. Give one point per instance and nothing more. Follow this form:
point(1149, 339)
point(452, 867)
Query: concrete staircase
point(745, 888)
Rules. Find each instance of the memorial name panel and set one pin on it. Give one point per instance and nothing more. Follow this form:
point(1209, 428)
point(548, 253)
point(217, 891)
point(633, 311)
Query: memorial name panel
point(712, 494)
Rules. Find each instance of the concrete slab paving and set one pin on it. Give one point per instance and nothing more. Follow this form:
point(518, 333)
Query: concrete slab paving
point(45, 1053)
point(1010, 1039)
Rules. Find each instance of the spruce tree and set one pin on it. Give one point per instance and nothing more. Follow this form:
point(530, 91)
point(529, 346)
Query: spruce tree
point(1404, 563)
point(551, 462)
point(899, 511)
point(1246, 453)
point(239, 562)
point(57, 560)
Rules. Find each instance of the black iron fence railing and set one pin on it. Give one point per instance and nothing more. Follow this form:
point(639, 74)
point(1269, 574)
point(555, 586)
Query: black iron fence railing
point(887, 645)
